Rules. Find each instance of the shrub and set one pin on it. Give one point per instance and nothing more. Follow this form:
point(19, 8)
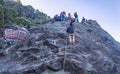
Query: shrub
point(1, 15)
point(22, 21)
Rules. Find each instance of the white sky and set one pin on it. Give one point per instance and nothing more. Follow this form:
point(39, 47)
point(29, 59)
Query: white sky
point(105, 12)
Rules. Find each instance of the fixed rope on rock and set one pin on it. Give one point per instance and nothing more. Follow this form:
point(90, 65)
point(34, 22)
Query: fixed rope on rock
point(70, 41)
point(70, 31)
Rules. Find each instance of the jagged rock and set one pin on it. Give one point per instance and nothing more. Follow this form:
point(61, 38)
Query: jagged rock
point(94, 52)
point(52, 46)
point(55, 65)
point(2, 53)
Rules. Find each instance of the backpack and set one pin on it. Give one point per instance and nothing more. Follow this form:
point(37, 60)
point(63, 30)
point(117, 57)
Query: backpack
point(70, 29)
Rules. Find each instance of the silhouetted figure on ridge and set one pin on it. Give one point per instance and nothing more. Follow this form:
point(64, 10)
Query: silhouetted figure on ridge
point(76, 17)
point(83, 20)
point(56, 18)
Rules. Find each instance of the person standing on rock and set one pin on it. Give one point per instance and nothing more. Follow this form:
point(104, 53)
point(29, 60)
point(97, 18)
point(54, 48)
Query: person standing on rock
point(69, 18)
point(76, 17)
point(70, 31)
point(56, 18)
point(63, 16)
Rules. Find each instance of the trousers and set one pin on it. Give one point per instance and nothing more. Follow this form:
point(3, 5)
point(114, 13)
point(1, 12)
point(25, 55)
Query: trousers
point(72, 38)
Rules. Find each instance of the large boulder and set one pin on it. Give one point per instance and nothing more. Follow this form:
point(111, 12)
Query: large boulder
point(15, 35)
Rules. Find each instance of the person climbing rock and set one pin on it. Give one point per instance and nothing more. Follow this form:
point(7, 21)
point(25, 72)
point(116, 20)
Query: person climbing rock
point(76, 17)
point(70, 31)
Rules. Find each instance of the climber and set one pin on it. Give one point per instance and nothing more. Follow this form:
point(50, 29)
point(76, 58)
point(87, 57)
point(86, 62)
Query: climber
point(56, 18)
point(70, 31)
point(83, 19)
point(69, 18)
point(76, 17)
point(63, 16)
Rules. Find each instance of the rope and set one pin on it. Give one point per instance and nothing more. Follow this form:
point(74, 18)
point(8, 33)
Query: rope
point(64, 56)
point(65, 51)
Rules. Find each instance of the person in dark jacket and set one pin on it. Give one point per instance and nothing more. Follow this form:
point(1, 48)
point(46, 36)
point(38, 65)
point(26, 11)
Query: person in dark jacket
point(56, 18)
point(76, 17)
point(70, 31)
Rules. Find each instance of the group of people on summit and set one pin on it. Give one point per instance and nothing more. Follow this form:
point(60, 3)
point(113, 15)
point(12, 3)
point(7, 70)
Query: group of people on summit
point(64, 17)
point(72, 21)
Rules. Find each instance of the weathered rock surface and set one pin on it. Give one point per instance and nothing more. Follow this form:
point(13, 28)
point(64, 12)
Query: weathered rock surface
point(95, 51)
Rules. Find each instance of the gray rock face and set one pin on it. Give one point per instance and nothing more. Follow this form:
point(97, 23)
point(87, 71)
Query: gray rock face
point(95, 51)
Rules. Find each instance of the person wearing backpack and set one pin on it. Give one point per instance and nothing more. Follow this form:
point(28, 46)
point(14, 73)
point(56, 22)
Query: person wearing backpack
point(70, 31)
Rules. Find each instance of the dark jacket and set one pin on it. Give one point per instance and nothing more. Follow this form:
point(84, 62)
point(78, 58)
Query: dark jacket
point(70, 29)
point(75, 15)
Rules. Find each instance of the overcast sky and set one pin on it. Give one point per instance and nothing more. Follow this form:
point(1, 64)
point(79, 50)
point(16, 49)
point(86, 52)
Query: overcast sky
point(105, 12)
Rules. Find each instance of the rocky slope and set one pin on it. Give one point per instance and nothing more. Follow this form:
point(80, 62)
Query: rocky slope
point(95, 51)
